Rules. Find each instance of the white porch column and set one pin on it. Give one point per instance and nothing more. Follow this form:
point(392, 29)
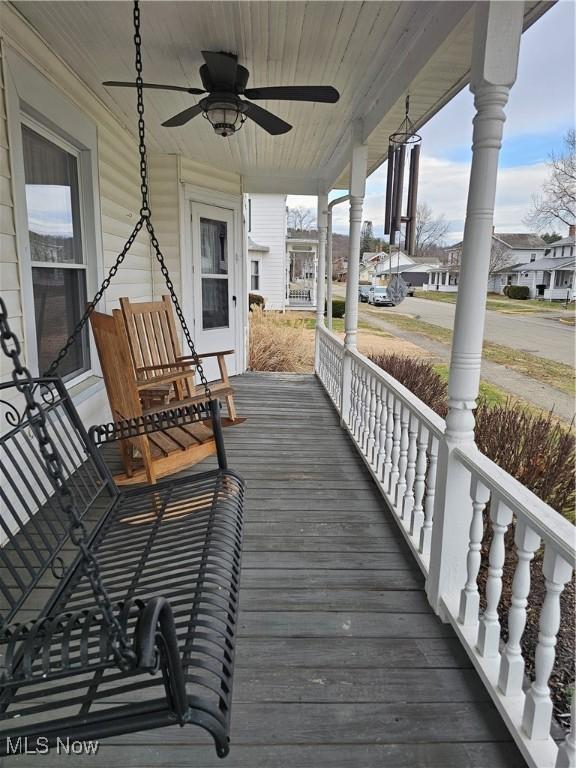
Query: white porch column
point(358, 169)
point(497, 30)
point(322, 219)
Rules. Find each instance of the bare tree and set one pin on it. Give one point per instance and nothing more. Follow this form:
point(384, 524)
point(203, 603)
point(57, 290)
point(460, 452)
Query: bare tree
point(557, 203)
point(430, 229)
point(300, 219)
point(499, 256)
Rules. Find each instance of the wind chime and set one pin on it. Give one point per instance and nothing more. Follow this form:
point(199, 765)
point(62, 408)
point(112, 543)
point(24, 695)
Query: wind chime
point(403, 138)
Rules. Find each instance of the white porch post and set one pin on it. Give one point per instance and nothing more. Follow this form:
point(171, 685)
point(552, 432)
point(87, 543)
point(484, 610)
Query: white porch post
point(358, 168)
point(498, 26)
point(322, 219)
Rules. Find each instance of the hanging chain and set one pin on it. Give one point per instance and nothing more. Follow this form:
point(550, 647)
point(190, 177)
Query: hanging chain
point(119, 643)
point(145, 218)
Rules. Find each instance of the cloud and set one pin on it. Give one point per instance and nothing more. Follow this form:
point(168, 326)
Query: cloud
point(49, 209)
point(540, 110)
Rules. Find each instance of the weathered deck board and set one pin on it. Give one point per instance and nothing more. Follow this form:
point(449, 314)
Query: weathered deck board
point(341, 663)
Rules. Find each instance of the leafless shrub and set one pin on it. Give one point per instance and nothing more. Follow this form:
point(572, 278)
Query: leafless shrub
point(278, 343)
point(419, 377)
point(533, 448)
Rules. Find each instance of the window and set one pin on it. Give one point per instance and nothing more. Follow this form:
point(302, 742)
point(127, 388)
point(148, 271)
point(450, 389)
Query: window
point(255, 275)
point(532, 257)
point(53, 201)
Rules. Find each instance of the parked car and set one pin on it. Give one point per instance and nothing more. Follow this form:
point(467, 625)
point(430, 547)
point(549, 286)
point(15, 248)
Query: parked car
point(363, 292)
point(378, 295)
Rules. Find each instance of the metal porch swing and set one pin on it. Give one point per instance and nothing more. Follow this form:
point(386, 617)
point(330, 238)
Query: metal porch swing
point(138, 628)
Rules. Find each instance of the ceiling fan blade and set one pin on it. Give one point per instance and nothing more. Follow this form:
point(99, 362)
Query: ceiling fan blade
point(321, 93)
point(120, 84)
point(222, 68)
point(183, 117)
point(271, 123)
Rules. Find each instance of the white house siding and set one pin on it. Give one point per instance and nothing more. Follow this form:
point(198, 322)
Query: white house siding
point(9, 276)
point(268, 227)
point(117, 206)
point(164, 202)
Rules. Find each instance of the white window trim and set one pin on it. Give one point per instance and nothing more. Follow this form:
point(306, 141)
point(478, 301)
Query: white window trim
point(258, 260)
point(34, 101)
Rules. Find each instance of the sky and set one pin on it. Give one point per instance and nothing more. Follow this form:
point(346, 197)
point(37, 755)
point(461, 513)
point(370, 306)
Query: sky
point(540, 110)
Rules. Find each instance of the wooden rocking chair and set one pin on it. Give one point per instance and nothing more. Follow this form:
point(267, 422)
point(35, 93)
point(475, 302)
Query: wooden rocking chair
point(151, 456)
point(155, 347)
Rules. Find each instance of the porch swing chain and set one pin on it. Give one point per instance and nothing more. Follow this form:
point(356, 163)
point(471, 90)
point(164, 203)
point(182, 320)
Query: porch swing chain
point(118, 640)
point(145, 219)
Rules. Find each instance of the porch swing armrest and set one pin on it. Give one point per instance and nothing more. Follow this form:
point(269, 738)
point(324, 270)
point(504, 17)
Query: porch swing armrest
point(156, 645)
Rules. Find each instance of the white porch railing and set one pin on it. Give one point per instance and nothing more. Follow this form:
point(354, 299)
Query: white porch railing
point(398, 437)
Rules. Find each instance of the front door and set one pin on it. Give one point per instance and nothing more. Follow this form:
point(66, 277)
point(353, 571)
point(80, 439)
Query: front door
point(213, 276)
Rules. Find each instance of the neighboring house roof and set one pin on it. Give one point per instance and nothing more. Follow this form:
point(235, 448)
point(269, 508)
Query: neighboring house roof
point(546, 264)
point(418, 267)
point(515, 240)
point(510, 268)
point(520, 240)
point(565, 241)
point(254, 246)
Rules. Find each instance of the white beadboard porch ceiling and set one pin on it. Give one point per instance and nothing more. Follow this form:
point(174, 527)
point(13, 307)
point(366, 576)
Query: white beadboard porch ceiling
point(372, 52)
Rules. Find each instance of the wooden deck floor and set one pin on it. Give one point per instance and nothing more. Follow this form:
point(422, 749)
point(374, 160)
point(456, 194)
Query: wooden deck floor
point(340, 661)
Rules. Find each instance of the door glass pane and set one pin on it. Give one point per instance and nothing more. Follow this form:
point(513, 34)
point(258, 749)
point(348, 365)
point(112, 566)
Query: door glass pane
point(59, 298)
point(52, 200)
point(214, 303)
point(213, 247)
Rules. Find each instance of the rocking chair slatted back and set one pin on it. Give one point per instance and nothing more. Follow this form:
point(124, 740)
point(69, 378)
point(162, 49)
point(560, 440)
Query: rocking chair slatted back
point(154, 340)
point(155, 348)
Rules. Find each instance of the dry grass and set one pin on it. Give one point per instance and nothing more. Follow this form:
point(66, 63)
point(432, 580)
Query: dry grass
point(279, 343)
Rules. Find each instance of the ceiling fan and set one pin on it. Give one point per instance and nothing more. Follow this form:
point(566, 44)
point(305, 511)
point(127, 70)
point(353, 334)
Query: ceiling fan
point(224, 81)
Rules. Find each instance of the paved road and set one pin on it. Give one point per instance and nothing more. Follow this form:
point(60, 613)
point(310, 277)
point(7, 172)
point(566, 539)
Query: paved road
point(539, 334)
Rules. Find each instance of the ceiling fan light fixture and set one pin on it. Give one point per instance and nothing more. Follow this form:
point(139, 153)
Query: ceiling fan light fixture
point(226, 115)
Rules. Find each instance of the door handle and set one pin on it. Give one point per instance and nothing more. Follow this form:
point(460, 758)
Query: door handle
point(234, 300)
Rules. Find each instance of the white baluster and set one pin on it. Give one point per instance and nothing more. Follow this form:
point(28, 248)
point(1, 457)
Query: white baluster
point(353, 396)
point(512, 664)
point(389, 440)
point(395, 447)
point(367, 420)
point(408, 501)
point(360, 404)
point(381, 426)
point(470, 597)
point(489, 629)
point(538, 705)
point(373, 456)
point(417, 517)
point(402, 460)
point(567, 750)
point(426, 530)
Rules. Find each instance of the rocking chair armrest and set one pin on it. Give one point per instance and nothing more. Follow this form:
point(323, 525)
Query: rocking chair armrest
point(165, 366)
point(152, 383)
point(207, 354)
